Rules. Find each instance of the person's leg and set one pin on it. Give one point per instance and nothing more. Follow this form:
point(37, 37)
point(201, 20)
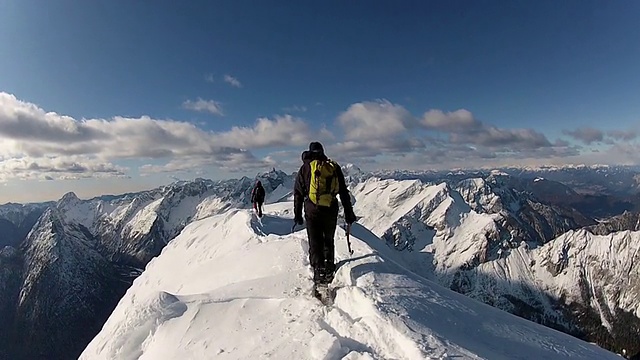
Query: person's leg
point(316, 247)
point(259, 209)
point(329, 230)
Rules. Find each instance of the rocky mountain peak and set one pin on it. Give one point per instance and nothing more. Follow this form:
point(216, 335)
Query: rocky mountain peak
point(68, 199)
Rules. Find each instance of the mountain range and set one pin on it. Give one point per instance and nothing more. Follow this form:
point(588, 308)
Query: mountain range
point(558, 246)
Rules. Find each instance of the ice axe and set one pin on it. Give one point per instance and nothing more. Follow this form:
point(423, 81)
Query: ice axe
point(293, 228)
point(348, 231)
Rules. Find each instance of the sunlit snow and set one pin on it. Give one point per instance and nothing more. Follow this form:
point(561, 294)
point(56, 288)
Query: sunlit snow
point(232, 286)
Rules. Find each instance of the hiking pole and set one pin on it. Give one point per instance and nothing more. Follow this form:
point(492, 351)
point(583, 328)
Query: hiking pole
point(349, 242)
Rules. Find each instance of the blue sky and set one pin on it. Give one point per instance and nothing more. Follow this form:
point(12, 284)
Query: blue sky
point(146, 92)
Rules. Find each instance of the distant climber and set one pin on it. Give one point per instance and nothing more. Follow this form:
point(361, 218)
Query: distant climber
point(318, 182)
point(257, 198)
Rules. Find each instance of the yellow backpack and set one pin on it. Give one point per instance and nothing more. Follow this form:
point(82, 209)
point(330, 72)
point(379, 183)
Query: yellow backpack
point(323, 187)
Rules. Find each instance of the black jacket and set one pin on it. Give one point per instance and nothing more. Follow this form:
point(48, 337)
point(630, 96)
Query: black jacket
point(301, 189)
point(257, 195)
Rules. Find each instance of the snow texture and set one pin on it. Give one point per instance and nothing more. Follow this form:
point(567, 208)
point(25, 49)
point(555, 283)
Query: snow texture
point(604, 264)
point(232, 286)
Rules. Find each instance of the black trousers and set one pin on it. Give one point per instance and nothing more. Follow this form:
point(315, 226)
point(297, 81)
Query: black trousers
point(321, 229)
point(258, 207)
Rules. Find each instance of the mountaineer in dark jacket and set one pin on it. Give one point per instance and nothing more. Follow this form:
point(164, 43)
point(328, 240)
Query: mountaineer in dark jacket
point(257, 197)
point(321, 208)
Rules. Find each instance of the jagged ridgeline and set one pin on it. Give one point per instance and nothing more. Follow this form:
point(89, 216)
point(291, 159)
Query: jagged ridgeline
point(65, 265)
point(557, 246)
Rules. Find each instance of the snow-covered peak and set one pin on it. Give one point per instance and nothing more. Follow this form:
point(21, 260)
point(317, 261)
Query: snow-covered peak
point(16, 213)
point(78, 211)
point(65, 284)
point(610, 261)
point(595, 277)
point(350, 169)
point(497, 172)
point(246, 295)
point(491, 195)
point(68, 198)
point(428, 219)
point(274, 179)
point(273, 174)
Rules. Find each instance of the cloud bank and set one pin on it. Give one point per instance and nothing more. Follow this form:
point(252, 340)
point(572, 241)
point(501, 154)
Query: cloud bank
point(36, 144)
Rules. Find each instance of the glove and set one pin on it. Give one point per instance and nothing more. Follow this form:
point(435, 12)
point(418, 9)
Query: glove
point(350, 217)
point(298, 220)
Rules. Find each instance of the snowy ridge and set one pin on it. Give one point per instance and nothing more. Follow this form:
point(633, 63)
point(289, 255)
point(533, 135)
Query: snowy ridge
point(488, 195)
point(60, 259)
point(15, 212)
point(406, 211)
point(599, 271)
point(583, 179)
point(595, 278)
point(478, 233)
point(16, 221)
point(140, 225)
point(233, 287)
point(62, 281)
point(460, 236)
point(56, 243)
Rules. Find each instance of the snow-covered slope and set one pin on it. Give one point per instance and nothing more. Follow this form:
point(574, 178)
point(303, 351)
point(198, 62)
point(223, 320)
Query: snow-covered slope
point(597, 277)
point(10, 265)
point(442, 226)
point(426, 219)
point(234, 287)
point(134, 228)
point(65, 286)
point(459, 235)
point(81, 255)
point(16, 220)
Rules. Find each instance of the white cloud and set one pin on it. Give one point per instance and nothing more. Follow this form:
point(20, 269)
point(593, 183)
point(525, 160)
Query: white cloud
point(504, 139)
point(232, 81)
point(375, 120)
point(464, 128)
point(210, 106)
point(142, 137)
point(586, 135)
point(24, 121)
point(28, 132)
point(209, 78)
point(280, 132)
point(589, 136)
point(27, 168)
point(237, 161)
point(457, 121)
point(382, 131)
point(377, 128)
point(35, 144)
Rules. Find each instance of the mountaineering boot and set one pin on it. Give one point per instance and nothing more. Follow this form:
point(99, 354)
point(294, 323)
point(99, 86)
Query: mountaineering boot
point(317, 282)
point(319, 276)
point(329, 271)
point(322, 292)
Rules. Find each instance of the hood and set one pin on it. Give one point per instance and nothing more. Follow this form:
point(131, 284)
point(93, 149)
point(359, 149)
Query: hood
point(308, 156)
